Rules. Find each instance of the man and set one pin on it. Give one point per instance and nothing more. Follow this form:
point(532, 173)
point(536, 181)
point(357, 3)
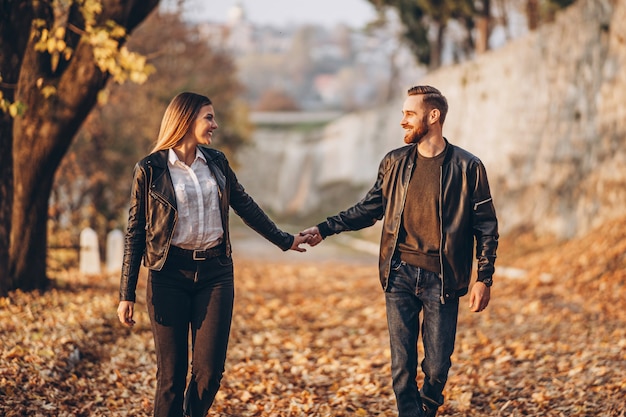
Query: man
point(436, 203)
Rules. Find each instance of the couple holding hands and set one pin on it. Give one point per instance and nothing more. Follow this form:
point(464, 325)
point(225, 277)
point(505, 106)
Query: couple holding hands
point(433, 198)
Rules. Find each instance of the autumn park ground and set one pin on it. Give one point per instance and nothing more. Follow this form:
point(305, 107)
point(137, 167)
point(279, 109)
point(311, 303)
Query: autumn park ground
point(309, 338)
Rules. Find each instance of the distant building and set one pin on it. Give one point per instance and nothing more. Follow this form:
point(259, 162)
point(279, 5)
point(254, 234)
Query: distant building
point(327, 87)
point(320, 67)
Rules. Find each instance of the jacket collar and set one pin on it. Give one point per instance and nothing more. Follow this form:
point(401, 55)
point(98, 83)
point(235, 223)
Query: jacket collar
point(160, 158)
point(448, 151)
point(411, 150)
point(172, 157)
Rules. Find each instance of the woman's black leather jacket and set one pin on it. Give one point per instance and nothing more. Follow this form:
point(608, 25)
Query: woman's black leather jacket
point(466, 212)
point(153, 214)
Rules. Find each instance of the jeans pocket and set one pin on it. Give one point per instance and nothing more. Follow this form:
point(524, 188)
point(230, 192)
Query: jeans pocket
point(225, 260)
point(395, 280)
point(396, 264)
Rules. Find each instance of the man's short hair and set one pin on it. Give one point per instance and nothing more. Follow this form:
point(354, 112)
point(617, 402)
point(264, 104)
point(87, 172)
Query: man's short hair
point(432, 98)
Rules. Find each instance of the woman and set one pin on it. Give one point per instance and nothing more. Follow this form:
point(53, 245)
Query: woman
point(178, 223)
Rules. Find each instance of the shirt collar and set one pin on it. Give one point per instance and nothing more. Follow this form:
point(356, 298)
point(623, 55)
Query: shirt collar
point(172, 157)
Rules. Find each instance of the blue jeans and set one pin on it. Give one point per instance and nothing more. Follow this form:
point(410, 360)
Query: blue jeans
point(183, 298)
point(412, 290)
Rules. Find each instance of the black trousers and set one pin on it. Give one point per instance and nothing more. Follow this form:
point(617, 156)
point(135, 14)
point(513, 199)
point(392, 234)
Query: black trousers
point(186, 296)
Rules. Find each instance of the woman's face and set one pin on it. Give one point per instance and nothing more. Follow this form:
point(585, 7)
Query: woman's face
point(204, 125)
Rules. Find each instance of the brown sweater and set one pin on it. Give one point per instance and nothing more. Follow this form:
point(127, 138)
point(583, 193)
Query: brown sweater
point(420, 234)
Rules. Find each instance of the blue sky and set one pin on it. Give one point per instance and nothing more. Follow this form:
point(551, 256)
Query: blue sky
point(355, 13)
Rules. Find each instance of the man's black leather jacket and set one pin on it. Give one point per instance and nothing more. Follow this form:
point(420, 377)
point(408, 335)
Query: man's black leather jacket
point(153, 214)
point(466, 212)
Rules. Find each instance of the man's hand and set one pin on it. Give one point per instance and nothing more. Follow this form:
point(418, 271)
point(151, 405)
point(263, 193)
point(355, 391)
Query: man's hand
point(298, 240)
point(479, 297)
point(125, 313)
point(314, 234)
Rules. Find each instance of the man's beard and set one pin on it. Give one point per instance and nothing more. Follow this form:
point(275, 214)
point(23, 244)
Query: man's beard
point(416, 134)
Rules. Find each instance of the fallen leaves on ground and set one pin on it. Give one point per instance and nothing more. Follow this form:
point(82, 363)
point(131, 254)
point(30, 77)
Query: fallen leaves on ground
point(311, 340)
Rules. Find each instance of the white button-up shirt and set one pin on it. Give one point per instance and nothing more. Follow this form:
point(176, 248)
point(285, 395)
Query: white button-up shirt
point(199, 224)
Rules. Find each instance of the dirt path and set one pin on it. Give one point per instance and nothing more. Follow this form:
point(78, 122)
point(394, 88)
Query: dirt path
point(309, 339)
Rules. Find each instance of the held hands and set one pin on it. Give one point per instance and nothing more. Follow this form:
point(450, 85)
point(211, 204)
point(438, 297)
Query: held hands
point(314, 235)
point(298, 240)
point(310, 236)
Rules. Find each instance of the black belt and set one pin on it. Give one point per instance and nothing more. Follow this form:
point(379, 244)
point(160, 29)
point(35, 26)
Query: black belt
point(197, 255)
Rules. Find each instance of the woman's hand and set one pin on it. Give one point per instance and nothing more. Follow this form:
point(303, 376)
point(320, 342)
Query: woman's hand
point(298, 240)
point(125, 313)
point(315, 236)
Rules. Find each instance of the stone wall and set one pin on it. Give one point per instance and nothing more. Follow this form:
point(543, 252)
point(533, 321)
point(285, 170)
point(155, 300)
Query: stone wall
point(546, 114)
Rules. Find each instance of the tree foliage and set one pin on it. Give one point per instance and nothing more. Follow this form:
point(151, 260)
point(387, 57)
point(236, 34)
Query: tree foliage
point(55, 57)
point(541, 11)
point(123, 127)
point(276, 100)
point(423, 18)
point(425, 22)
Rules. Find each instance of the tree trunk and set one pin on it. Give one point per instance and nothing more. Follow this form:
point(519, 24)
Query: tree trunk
point(13, 17)
point(483, 23)
point(43, 134)
point(532, 14)
point(6, 200)
point(437, 48)
point(43, 140)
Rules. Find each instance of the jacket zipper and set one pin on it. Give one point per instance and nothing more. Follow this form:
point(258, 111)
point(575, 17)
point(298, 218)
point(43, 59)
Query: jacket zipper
point(481, 202)
point(395, 237)
point(223, 210)
point(441, 297)
point(164, 201)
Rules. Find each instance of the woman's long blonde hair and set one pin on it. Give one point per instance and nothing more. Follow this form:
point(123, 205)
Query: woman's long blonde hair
point(178, 119)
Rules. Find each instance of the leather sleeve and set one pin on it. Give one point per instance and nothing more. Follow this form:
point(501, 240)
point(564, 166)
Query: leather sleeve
point(484, 223)
point(135, 238)
point(363, 214)
point(252, 214)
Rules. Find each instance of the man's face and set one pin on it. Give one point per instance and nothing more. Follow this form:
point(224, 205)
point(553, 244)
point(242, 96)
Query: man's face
point(414, 119)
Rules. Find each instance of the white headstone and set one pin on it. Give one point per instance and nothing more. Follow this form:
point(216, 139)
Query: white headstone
point(89, 262)
point(115, 251)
